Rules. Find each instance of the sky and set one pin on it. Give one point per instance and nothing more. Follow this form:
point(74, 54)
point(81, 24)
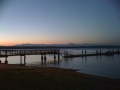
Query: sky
point(59, 22)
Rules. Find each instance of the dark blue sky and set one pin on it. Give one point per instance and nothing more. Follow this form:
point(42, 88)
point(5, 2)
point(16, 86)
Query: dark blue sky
point(60, 22)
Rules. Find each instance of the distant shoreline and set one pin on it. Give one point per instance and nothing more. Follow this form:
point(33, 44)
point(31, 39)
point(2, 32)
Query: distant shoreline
point(52, 47)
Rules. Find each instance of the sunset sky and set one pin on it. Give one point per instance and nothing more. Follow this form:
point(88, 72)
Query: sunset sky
point(59, 22)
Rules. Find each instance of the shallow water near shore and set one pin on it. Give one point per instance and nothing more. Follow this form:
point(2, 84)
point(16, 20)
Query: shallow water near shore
point(107, 66)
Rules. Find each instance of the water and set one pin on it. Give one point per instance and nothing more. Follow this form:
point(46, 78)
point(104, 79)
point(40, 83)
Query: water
point(107, 66)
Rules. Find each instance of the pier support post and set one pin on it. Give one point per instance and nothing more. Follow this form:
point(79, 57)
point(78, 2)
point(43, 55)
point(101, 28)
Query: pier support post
point(24, 51)
point(82, 52)
point(82, 57)
point(85, 52)
point(100, 52)
point(54, 56)
point(42, 62)
point(58, 55)
point(85, 58)
point(21, 60)
point(45, 57)
point(6, 62)
point(41, 57)
point(10, 52)
point(6, 53)
point(24, 60)
point(96, 51)
point(17, 52)
point(113, 50)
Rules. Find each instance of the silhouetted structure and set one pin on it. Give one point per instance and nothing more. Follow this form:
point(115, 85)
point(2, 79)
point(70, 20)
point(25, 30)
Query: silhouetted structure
point(43, 53)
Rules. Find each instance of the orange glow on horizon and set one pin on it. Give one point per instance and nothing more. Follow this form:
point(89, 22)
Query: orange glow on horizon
point(37, 41)
point(15, 43)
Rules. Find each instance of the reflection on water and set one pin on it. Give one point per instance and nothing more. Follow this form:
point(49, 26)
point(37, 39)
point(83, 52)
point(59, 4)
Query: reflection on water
point(108, 66)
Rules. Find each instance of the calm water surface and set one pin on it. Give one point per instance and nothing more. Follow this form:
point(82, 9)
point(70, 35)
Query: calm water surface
point(107, 66)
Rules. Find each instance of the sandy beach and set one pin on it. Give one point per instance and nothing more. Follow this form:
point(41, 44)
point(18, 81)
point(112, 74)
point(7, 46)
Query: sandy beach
point(16, 77)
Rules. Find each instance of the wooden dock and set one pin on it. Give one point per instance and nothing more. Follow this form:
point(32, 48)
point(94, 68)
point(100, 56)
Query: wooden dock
point(43, 53)
point(107, 53)
point(55, 52)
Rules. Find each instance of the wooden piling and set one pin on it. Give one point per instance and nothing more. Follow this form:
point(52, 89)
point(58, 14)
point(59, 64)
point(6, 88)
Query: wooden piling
point(24, 60)
point(17, 52)
point(5, 52)
point(85, 58)
point(96, 51)
point(113, 50)
point(12, 52)
point(41, 61)
point(82, 52)
point(82, 57)
point(85, 52)
point(58, 55)
point(24, 51)
point(100, 52)
point(20, 52)
point(41, 57)
point(54, 56)
point(45, 57)
point(6, 62)
point(21, 60)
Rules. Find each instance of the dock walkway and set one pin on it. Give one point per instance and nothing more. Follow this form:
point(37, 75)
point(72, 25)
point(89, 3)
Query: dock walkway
point(107, 53)
point(6, 53)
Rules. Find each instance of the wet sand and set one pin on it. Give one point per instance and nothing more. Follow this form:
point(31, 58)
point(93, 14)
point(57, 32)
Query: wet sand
point(16, 77)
